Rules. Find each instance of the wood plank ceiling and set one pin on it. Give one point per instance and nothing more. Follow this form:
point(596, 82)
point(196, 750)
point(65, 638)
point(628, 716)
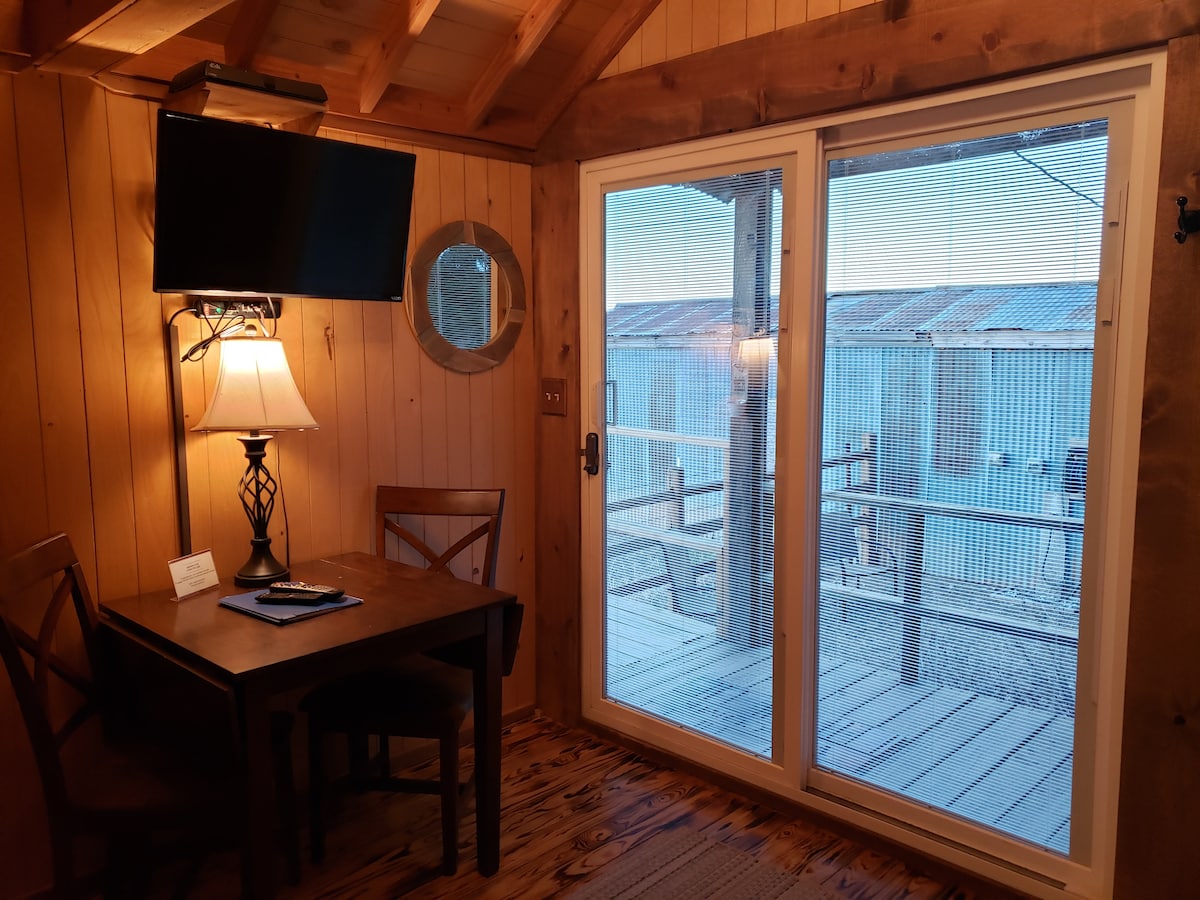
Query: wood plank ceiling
point(496, 71)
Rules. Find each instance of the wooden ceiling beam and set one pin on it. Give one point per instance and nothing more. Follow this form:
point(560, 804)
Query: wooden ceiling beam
point(398, 38)
point(529, 34)
point(83, 37)
point(421, 110)
point(405, 114)
point(437, 140)
point(615, 34)
point(867, 55)
point(247, 32)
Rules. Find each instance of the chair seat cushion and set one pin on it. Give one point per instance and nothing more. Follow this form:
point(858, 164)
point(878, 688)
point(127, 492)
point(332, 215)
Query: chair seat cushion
point(414, 697)
point(140, 785)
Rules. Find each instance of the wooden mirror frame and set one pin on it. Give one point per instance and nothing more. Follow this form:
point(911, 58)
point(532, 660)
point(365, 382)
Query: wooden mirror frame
point(460, 359)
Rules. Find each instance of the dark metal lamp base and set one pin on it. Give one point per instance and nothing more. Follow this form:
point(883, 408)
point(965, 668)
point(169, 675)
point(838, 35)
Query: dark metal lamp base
point(261, 569)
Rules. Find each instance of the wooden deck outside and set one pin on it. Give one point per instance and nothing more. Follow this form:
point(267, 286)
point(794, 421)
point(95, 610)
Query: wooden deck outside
point(993, 761)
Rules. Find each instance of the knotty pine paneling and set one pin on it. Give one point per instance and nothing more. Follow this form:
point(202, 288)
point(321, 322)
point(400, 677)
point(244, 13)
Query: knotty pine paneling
point(1160, 753)
point(131, 145)
point(860, 57)
point(557, 272)
point(679, 28)
point(88, 446)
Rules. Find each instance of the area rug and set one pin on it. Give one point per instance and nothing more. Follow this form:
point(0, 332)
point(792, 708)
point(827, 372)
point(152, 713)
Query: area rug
point(680, 864)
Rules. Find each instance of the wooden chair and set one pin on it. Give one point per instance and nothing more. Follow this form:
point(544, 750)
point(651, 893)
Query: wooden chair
point(423, 696)
point(99, 780)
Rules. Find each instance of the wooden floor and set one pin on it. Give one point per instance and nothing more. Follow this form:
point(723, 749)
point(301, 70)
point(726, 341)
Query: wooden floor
point(571, 803)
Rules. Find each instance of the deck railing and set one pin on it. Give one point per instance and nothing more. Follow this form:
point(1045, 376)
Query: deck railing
point(672, 533)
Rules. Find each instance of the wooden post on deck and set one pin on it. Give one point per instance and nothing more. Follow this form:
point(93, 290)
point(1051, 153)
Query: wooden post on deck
point(899, 475)
point(745, 523)
point(675, 517)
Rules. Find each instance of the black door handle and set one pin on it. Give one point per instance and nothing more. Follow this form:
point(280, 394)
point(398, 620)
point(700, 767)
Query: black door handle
point(591, 453)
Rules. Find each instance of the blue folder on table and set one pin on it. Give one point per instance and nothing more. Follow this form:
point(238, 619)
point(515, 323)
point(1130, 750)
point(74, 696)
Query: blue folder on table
point(282, 614)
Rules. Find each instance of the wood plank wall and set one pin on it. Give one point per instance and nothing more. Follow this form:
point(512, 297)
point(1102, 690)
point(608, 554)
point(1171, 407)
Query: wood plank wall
point(1159, 815)
point(87, 443)
point(679, 28)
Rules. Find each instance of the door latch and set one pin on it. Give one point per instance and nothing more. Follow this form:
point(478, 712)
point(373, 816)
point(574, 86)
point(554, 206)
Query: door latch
point(591, 453)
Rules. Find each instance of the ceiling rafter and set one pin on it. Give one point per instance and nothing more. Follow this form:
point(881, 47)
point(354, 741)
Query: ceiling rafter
point(464, 79)
point(529, 34)
point(615, 33)
point(399, 37)
point(84, 38)
point(53, 24)
point(247, 32)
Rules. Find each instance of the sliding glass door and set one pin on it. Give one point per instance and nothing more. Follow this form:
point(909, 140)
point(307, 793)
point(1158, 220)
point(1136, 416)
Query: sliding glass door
point(957, 400)
point(691, 300)
point(862, 420)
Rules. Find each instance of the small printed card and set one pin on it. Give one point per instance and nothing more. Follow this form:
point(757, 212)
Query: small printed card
point(193, 573)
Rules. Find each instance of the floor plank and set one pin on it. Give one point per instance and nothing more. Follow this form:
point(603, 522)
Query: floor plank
point(571, 804)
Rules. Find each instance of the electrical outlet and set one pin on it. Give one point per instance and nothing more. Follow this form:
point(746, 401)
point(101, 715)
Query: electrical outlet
point(554, 397)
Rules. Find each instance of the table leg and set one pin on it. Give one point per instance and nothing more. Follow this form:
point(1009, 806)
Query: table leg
point(258, 840)
point(488, 677)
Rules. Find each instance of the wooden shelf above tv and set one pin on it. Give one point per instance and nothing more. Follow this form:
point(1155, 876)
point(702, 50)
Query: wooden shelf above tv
point(222, 97)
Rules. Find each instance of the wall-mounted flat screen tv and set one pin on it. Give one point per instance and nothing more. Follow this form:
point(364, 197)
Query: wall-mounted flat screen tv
point(248, 210)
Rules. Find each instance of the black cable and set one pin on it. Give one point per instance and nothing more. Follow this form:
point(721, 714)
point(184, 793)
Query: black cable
point(171, 320)
point(197, 351)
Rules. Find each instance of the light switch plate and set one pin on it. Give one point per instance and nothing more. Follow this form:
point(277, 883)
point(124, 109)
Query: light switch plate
point(554, 397)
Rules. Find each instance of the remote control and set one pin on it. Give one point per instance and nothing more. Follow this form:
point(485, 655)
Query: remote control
point(304, 586)
point(298, 598)
point(301, 592)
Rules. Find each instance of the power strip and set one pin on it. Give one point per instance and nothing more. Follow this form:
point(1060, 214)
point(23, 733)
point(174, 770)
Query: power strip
point(250, 307)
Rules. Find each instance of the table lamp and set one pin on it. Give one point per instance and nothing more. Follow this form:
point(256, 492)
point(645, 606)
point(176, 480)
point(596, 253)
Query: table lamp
point(255, 393)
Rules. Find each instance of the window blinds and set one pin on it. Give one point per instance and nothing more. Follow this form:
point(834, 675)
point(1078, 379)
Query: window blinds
point(691, 291)
point(959, 326)
point(461, 288)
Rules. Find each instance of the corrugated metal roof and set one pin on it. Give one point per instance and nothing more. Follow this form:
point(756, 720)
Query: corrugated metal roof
point(670, 317)
point(1045, 308)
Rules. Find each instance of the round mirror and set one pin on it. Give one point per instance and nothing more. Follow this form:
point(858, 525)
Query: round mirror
point(468, 297)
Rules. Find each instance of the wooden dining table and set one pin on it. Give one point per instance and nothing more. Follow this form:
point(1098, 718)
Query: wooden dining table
point(404, 610)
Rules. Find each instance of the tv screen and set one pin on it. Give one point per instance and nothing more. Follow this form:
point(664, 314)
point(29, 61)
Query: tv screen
point(244, 209)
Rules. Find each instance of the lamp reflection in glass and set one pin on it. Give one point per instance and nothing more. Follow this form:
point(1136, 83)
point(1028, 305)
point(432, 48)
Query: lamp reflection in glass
point(255, 393)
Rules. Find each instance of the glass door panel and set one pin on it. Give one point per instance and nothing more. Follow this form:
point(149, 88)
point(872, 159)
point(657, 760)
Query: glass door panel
point(691, 290)
point(956, 417)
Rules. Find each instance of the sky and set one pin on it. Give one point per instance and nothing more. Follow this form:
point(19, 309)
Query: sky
point(1019, 216)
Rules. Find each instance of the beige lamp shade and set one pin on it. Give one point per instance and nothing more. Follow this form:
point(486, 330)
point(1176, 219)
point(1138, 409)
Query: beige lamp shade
point(255, 390)
point(755, 350)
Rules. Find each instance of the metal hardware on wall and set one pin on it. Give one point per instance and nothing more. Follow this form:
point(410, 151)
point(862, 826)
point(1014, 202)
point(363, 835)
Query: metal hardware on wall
point(1189, 220)
point(591, 453)
point(180, 433)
